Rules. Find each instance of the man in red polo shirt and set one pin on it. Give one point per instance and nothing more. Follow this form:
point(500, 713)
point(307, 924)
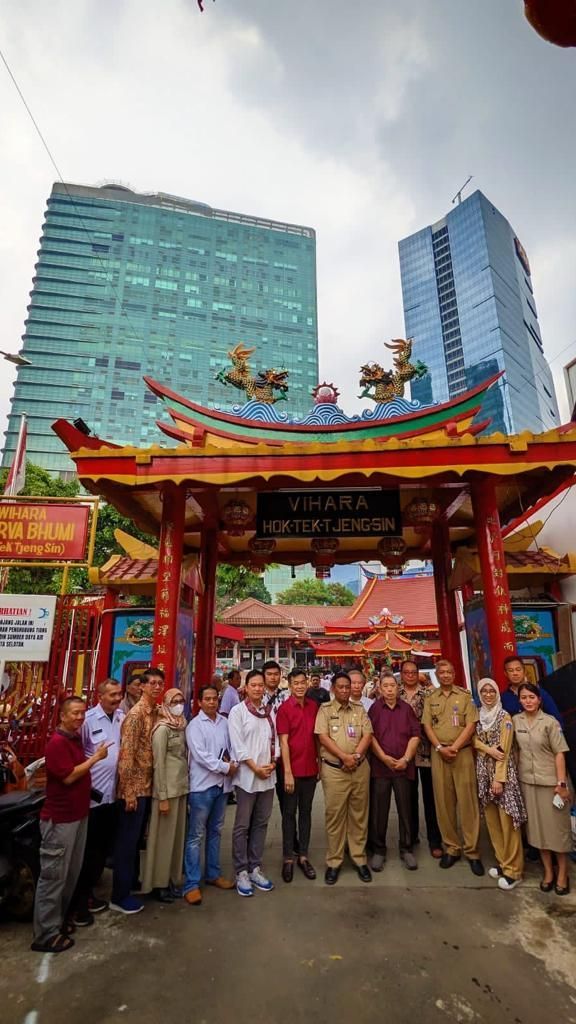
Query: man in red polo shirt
point(295, 723)
point(394, 744)
point(63, 825)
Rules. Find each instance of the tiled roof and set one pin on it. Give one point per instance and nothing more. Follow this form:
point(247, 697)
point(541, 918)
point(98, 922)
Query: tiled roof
point(312, 616)
point(126, 570)
point(282, 632)
point(411, 597)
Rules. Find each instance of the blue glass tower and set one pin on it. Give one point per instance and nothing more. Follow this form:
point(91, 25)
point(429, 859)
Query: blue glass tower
point(469, 306)
point(129, 284)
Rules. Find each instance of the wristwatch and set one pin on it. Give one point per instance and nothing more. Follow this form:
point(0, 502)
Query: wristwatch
point(561, 784)
point(439, 746)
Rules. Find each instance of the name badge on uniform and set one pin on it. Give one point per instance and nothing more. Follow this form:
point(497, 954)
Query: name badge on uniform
point(455, 716)
point(351, 732)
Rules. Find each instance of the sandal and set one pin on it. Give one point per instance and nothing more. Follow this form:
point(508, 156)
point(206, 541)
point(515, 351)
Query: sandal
point(58, 944)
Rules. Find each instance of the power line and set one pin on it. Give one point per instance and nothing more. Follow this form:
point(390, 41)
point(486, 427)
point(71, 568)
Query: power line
point(72, 199)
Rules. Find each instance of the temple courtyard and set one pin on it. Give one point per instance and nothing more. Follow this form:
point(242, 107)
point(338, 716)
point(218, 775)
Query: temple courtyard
point(411, 948)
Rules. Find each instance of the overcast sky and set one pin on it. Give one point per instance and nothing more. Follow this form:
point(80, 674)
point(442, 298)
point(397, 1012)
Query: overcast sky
point(359, 119)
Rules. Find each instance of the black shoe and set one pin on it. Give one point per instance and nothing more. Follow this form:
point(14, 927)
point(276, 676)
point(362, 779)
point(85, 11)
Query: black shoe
point(364, 873)
point(476, 867)
point(83, 920)
point(448, 860)
point(562, 890)
point(287, 871)
point(96, 906)
point(307, 869)
point(175, 891)
point(546, 886)
point(163, 896)
point(331, 875)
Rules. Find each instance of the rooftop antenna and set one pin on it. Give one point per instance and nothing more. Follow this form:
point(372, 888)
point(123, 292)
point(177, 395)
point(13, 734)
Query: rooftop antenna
point(458, 195)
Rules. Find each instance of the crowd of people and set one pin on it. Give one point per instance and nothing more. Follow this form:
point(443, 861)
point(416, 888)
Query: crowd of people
point(133, 783)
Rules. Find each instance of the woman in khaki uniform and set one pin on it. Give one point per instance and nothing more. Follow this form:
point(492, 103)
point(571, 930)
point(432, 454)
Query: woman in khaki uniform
point(542, 771)
point(165, 844)
point(499, 790)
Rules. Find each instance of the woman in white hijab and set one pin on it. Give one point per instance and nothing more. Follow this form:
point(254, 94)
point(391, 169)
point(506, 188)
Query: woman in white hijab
point(499, 790)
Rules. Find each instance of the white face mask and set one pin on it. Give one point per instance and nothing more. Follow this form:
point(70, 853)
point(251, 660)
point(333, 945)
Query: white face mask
point(177, 709)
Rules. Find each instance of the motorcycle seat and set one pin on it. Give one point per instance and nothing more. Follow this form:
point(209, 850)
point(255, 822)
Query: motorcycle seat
point(20, 800)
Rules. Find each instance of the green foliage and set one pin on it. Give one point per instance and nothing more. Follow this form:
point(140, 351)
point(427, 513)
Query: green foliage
point(316, 592)
point(40, 483)
point(234, 583)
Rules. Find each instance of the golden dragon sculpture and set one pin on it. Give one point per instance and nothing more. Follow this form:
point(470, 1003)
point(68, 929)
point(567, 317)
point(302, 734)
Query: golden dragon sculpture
point(261, 387)
point(385, 385)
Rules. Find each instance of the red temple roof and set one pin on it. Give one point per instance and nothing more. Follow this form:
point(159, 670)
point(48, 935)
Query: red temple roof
point(409, 597)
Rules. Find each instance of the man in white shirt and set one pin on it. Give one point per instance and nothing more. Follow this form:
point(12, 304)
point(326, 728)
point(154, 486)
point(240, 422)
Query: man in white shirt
point(211, 774)
point(357, 685)
point(102, 724)
point(255, 748)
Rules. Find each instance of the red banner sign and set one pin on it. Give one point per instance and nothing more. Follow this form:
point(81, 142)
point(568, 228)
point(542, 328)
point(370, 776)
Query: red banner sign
point(35, 532)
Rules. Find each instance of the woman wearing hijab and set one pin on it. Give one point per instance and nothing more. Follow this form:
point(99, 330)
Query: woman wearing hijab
point(165, 845)
point(499, 789)
point(542, 771)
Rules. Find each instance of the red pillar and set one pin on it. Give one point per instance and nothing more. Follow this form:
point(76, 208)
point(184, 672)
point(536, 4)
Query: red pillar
point(491, 555)
point(168, 586)
point(204, 659)
point(446, 599)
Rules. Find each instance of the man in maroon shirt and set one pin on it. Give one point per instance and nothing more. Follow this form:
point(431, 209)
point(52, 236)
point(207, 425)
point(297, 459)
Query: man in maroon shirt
point(295, 723)
point(394, 745)
point(63, 823)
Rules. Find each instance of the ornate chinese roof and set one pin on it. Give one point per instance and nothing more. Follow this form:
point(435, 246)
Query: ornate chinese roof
point(410, 599)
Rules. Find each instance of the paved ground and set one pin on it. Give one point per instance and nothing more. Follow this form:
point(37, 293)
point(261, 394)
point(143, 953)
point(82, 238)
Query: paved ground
point(428, 946)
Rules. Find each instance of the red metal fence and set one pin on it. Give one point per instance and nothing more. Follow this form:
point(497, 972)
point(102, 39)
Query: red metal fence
point(32, 692)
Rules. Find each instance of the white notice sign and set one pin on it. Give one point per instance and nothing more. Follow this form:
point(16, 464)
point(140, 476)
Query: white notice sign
point(26, 624)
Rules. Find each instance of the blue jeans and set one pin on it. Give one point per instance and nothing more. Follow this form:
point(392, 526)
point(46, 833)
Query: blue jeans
point(207, 811)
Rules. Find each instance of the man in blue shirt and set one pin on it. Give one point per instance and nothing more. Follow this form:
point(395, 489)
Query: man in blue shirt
point(516, 675)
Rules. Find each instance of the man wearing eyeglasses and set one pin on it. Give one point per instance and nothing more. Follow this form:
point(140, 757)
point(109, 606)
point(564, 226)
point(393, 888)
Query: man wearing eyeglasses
point(135, 771)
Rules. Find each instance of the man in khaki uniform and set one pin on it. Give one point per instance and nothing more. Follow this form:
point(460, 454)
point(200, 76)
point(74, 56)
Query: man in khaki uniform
point(449, 720)
point(345, 734)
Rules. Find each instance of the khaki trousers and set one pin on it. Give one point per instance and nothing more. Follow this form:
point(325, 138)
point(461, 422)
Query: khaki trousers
point(506, 840)
point(456, 797)
point(346, 800)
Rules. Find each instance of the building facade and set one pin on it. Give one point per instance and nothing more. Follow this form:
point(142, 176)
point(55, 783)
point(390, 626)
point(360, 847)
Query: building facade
point(469, 307)
point(129, 284)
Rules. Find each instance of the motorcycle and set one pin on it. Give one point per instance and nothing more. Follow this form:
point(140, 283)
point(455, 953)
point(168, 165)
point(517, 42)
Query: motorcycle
point(19, 850)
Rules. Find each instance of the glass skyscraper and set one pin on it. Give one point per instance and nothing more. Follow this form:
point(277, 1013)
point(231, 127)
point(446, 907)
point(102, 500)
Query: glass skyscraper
point(129, 284)
point(469, 307)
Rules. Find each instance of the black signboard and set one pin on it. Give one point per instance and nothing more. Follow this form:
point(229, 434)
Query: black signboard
point(328, 514)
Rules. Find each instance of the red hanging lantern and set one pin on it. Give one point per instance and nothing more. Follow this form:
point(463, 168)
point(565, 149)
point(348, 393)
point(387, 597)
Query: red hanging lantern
point(421, 513)
point(392, 552)
point(324, 549)
point(554, 20)
point(236, 515)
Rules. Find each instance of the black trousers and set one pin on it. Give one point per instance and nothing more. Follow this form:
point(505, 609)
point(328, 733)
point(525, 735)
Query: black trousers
point(432, 829)
point(129, 841)
point(300, 801)
point(380, 796)
point(102, 823)
point(281, 794)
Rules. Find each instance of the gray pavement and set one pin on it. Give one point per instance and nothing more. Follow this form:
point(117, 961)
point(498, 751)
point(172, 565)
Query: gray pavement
point(418, 947)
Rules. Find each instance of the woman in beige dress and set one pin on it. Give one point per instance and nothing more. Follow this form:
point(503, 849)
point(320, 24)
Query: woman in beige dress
point(163, 859)
point(542, 772)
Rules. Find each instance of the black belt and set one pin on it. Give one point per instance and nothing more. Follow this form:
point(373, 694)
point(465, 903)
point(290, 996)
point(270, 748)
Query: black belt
point(332, 764)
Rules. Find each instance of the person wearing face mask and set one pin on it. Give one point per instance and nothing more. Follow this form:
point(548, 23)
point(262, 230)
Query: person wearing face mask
point(499, 790)
point(165, 845)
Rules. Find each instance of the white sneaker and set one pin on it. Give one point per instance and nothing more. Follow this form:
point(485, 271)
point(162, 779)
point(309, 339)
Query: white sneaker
point(260, 880)
point(508, 883)
point(495, 872)
point(243, 884)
